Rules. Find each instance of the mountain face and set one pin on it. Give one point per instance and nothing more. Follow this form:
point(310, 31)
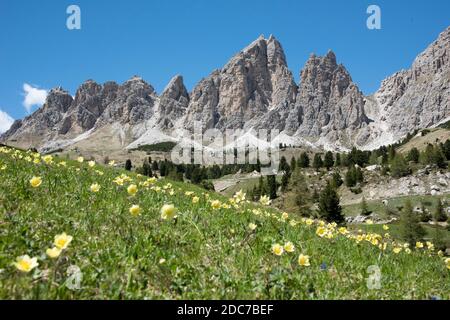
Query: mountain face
point(254, 82)
point(254, 90)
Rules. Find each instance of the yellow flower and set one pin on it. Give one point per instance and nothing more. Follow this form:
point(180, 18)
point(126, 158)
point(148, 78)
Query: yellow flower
point(265, 201)
point(369, 221)
point(53, 252)
point(195, 199)
point(284, 215)
point(63, 164)
point(111, 163)
point(239, 196)
point(188, 193)
point(119, 181)
point(256, 212)
point(95, 187)
point(440, 253)
point(430, 246)
point(252, 226)
point(343, 230)
point(309, 222)
point(35, 182)
point(385, 227)
point(321, 231)
point(91, 163)
point(397, 250)
point(151, 180)
point(293, 223)
point(168, 211)
point(62, 241)
point(419, 245)
point(48, 159)
point(408, 250)
point(162, 260)
point(277, 249)
point(135, 210)
point(303, 261)
point(132, 189)
point(447, 263)
point(215, 204)
point(80, 159)
point(25, 263)
point(289, 247)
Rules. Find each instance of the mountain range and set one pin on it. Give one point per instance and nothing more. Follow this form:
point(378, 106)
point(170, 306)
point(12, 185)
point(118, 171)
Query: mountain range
point(254, 90)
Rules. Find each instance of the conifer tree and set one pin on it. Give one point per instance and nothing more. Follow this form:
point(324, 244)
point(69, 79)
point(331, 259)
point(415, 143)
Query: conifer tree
point(128, 165)
point(299, 199)
point(317, 162)
point(410, 228)
point(328, 161)
point(303, 161)
point(272, 186)
point(329, 207)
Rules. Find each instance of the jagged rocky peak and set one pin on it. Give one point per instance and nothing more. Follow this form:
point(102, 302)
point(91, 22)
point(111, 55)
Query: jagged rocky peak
point(137, 86)
point(321, 72)
point(173, 102)
point(88, 89)
point(255, 89)
point(328, 99)
point(437, 56)
point(418, 97)
point(58, 99)
point(253, 82)
point(175, 89)
point(33, 128)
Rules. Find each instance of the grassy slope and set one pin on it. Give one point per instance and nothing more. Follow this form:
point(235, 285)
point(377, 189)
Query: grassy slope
point(209, 253)
point(377, 206)
point(435, 135)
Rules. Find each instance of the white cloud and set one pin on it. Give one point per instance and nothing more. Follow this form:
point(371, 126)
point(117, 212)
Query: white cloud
point(33, 96)
point(5, 121)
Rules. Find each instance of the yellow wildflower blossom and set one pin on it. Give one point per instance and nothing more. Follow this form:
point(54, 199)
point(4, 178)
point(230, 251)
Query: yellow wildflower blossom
point(265, 201)
point(132, 189)
point(36, 182)
point(62, 241)
point(277, 249)
point(25, 263)
point(135, 210)
point(95, 187)
point(53, 253)
point(303, 260)
point(168, 211)
point(289, 247)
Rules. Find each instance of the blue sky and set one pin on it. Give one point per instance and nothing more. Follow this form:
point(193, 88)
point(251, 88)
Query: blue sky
point(157, 39)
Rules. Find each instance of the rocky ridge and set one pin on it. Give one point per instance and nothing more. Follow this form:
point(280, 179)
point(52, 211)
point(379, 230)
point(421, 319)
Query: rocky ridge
point(254, 90)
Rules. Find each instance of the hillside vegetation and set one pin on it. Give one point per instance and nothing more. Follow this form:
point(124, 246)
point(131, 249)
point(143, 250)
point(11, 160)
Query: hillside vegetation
point(77, 230)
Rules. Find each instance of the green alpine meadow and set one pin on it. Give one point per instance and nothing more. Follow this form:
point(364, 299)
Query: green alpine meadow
point(77, 229)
